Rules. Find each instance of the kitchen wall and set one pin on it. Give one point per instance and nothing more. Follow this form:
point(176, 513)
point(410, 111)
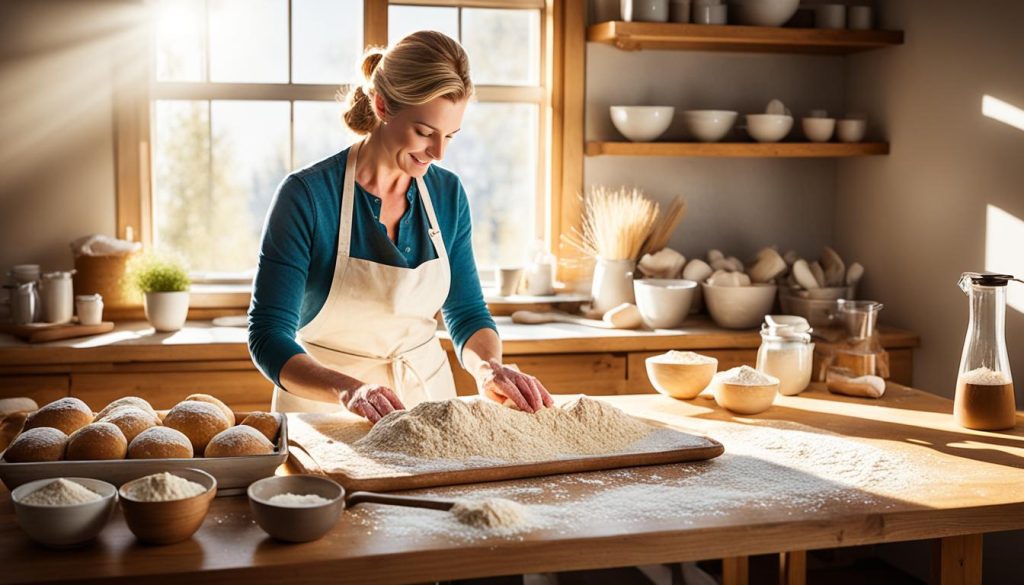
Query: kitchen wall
point(949, 198)
point(56, 126)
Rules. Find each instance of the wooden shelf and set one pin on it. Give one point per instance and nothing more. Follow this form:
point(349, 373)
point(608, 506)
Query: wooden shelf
point(632, 36)
point(737, 149)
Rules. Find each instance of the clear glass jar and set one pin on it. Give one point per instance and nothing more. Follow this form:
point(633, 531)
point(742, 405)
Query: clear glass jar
point(984, 388)
point(787, 353)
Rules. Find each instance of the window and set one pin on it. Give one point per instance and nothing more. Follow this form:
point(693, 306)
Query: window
point(243, 93)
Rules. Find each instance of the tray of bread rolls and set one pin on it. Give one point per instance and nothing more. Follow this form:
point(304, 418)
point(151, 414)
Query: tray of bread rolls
point(128, 439)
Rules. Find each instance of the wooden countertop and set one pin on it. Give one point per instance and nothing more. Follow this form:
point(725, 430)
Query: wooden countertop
point(201, 341)
point(951, 482)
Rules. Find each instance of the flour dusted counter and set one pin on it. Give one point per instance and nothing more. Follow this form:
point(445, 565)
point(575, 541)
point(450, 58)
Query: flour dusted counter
point(814, 471)
point(165, 368)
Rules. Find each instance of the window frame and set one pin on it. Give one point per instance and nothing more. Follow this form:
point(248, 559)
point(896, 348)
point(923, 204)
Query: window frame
point(134, 103)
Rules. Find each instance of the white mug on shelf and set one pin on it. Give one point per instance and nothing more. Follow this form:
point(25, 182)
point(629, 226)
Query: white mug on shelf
point(645, 10)
point(851, 129)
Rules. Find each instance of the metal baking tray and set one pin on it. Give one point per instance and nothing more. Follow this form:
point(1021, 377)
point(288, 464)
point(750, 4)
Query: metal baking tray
point(234, 474)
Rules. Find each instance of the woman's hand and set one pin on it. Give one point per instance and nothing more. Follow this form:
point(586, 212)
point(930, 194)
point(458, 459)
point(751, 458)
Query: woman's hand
point(372, 401)
point(503, 383)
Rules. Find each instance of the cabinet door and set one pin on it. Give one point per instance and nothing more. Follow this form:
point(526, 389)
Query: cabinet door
point(43, 389)
point(571, 373)
point(727, 358)
point(242, 391)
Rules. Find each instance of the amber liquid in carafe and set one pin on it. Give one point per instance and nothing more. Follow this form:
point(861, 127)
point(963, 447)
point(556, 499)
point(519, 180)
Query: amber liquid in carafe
point(984, 407)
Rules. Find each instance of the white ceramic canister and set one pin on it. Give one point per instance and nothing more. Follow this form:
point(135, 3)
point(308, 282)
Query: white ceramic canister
point(89, 309)
point(613, 284)
point(58, 297)
point(787, 353)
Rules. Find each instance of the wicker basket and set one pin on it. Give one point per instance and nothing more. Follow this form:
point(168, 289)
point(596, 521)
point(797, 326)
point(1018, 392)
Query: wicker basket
point(104, 275)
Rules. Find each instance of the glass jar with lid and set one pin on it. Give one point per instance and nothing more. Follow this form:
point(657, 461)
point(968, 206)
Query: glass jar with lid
point(786, 352)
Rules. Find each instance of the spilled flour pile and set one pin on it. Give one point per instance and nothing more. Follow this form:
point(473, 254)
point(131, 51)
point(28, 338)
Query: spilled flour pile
point(462, 434)
point(493, 513)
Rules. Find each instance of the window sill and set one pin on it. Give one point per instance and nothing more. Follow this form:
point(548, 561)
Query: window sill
point(220, 296)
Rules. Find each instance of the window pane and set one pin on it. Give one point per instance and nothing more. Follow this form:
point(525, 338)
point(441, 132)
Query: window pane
point(327, 40)
point(503, 45)
point(179, 40)
point(212, 196)
point(495, 155)
point(249, 41)
point(319, 132)
point(403, 20)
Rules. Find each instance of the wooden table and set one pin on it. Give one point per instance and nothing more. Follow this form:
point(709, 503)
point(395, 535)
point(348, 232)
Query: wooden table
point(953, 484)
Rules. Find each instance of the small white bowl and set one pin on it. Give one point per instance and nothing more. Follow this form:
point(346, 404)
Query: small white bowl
point(663, 302)
point(682, 381)
point(819, 129)
point(763, 12)
point(739, 307)
point(708, 125)
point(851, 130)
point(64, 526)
point(745, 398)
point(642, 123)
point(768, 127)
point(296, 524)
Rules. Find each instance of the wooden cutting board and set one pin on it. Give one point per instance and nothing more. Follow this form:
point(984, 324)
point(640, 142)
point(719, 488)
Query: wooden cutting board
point(309, 453)
point(41, 332)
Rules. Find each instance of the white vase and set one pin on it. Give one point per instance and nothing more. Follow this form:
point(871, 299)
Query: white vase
point(613, 284)
point(166, 311)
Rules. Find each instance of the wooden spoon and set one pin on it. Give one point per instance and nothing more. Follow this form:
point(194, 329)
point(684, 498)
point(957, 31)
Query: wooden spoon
point(356, 498)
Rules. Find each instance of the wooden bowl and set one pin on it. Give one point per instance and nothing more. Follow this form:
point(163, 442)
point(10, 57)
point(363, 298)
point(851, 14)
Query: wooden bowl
point(171, 521)
point(296, 524)
point(682, 381)
point(745, 398)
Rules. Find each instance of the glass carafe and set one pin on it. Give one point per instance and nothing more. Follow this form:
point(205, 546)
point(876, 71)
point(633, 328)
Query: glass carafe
point(984, 388)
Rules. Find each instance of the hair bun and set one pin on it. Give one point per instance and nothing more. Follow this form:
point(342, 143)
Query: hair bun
point(372, 58)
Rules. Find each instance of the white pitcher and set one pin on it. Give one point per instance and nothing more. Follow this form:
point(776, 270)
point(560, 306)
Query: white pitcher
point(613, 284)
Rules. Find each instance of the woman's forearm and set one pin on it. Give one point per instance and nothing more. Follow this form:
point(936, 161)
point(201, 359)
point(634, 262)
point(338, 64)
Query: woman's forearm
point(304, 376)
point(482, 347)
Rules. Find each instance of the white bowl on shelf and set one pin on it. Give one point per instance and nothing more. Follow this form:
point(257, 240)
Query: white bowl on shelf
point(663, 302)
point(763, 12)
point(708, 125)
point(739, 307)
point(769, 127)
point(819, 129)
point(642, 123)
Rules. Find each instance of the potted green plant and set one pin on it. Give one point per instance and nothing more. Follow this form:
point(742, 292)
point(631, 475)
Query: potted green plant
point(163, 282)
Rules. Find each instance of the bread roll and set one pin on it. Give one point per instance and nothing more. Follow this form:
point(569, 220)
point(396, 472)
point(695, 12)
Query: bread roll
point(239, 441)
point(131, 420)
point(127, 401)
point(65, 414)
point(199, 421)
point(95, 441)
point(268, 423)
point(160, 443)
point(229, 415)
point(39, 444)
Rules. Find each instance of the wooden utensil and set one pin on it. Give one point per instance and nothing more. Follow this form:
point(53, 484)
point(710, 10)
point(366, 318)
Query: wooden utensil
point(42, 332)
point(537, 318)
point(356, 498)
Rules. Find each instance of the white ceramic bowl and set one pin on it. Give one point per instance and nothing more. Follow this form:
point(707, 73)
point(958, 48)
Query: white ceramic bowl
point(709, 125)
point(745, 398)
point(296, 524)
point(819, 129)
point(64, 526)
point(763, 12)
point(739, 307)
point(769, 127)
point(642, 123)
point(663, 302)
point(851, 130)
point(683, 381)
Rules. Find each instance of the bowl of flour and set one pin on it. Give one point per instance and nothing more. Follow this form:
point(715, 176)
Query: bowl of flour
point(64, 512)
point(165, 508)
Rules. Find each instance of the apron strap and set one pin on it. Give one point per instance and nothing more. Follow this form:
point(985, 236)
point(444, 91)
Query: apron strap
point(348, 193)
point(435, 230)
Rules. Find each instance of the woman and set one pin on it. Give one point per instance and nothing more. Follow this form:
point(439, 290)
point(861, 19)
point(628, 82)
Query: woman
point(362, 249)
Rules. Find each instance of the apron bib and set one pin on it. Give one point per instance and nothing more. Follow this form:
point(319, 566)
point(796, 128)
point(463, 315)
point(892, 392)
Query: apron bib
point(377, 324)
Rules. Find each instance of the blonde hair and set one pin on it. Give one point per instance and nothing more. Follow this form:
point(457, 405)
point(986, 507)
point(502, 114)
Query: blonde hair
point(419, 68)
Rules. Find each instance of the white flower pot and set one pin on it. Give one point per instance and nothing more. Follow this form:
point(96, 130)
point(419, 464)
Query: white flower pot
point(166, 311)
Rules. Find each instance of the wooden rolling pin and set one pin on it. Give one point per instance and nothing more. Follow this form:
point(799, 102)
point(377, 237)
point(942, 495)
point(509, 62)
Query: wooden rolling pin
point(625, 316)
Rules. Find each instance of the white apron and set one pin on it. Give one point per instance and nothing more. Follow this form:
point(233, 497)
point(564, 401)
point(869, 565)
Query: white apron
point(377, 324)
